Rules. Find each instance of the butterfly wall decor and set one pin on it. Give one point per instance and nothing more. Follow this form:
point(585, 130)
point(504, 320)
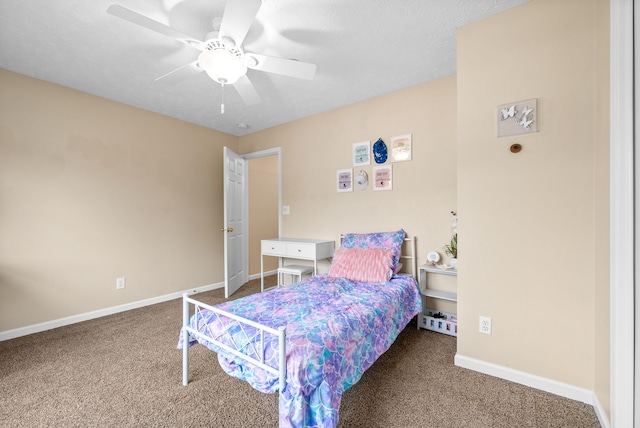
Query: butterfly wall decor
point(525, 122)
point(517, 118)
point(508, 112)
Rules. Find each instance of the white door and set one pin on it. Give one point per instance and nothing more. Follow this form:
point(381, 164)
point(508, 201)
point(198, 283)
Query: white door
point(235, 274)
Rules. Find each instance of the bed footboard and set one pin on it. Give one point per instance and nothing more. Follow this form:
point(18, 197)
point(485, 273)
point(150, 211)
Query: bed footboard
point(240, 352)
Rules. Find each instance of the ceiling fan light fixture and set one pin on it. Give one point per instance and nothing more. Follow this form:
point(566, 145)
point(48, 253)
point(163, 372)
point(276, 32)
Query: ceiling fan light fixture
point(222, 65)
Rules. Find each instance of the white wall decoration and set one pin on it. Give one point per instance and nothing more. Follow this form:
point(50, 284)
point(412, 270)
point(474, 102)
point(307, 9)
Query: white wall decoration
point(518, 118)
point(362, 180)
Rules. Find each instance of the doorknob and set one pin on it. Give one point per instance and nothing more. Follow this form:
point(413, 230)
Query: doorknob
point(228, 230)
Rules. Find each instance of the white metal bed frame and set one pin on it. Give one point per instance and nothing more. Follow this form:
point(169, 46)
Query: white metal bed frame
point(187, 330)
point(242, 352)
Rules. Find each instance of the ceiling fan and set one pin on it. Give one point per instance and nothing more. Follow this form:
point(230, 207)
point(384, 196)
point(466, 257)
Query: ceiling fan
point(222, 56)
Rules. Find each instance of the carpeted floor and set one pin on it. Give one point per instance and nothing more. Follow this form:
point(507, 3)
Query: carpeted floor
point(125, 370)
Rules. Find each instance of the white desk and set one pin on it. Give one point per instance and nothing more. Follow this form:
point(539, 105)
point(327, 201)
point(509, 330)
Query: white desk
point(292, 248)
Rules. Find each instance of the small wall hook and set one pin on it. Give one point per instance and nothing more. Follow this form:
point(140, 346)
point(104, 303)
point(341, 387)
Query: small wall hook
point(515, 148)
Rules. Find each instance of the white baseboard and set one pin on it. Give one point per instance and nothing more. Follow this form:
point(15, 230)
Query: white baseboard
point(257, 275)
point(61, 322)
point(549, 385)
point(600, 412)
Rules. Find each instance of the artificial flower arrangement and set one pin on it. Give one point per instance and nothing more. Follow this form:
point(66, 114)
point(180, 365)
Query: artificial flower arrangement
point(452, 247)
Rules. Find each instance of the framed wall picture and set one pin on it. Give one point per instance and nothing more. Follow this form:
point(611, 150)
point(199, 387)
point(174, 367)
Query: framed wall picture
point(401, 148)
point(344, 180)
point(382, 178)
point(361, 153)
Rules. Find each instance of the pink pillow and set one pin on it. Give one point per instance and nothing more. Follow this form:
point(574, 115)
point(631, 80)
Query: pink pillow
point(386, 240)
point(362, 264)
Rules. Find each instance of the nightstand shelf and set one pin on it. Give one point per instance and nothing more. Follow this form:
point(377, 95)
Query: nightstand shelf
point(443, 295)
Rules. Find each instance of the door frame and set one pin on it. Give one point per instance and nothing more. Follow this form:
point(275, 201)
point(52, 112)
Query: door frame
point(275, 151)
point(623, 329)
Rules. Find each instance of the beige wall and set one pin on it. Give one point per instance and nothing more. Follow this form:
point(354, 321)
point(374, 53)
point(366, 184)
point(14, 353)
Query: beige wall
point(533, 226)
point(424, 189)
point(91, 190)
point(263, 209)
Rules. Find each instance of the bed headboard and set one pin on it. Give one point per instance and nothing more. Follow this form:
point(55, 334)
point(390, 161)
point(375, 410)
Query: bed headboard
point(408, 256)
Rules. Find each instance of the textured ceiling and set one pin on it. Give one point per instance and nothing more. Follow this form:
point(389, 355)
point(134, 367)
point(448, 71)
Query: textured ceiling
point(362, 49)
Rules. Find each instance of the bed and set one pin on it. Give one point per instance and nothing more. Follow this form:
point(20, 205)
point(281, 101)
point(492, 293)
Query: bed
point(312, 340)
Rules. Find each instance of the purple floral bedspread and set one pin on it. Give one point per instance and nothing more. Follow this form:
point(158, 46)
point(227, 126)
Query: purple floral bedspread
point(336, 329)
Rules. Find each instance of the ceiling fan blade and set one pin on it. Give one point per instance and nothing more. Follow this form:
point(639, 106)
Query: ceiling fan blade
point(246, 91)
point(237, 19)
point(286, 67)
point(180, 73)
point(136, 18)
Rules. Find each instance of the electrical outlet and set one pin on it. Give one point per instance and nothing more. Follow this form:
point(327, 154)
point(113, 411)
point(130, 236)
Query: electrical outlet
point(120, 283)
point(285, 210)
point(485, 325)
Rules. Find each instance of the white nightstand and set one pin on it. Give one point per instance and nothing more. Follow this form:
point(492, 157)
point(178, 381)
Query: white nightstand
point(423, 274)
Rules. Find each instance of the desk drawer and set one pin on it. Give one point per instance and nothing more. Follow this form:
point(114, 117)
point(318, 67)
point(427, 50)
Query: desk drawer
point(301, 250)
point(274, 248)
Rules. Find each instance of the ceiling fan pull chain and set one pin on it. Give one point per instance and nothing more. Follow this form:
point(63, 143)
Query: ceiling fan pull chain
point(222, 99)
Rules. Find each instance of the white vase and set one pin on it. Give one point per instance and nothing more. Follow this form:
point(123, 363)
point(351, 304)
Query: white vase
point(454, 262)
